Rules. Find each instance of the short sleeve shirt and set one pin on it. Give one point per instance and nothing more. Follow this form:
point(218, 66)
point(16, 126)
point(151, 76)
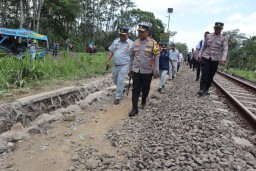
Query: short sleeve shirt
point(122, 51)
point(174, 55)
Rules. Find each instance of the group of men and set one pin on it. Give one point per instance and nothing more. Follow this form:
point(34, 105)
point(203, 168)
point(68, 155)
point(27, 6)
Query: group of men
point(143, 60)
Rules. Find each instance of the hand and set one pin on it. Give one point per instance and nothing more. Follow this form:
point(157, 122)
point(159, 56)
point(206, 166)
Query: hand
point(107, 63)
point(222, 62)
point(197, 59)
point(155, 76)
point(130, 73)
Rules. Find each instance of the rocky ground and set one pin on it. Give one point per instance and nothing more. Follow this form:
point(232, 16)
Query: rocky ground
point(177, 131)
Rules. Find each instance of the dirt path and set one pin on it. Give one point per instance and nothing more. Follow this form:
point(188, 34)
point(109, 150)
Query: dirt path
point(54, 149)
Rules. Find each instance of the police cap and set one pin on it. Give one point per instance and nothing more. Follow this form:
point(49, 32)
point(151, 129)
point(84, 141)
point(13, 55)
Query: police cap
point(219, 24)
point(123, 30)
point(143, 27)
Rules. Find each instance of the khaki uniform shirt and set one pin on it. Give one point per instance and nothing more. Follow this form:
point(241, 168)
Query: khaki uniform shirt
point(215, 47)
point(142, 57)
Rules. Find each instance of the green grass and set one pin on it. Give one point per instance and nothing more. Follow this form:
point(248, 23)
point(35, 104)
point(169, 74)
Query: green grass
point(250, 75)
point(22, 73)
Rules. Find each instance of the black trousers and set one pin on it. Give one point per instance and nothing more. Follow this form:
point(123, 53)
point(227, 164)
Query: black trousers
point(141, 83)
point(194, 64)
point(209, 69)
point(198, 70)
point(54, 53)
point(178, 66)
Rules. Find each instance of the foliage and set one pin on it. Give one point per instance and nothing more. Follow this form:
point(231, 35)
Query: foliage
point(242, 51)
point(250, 75)
point(79, 20)
point(18, 73)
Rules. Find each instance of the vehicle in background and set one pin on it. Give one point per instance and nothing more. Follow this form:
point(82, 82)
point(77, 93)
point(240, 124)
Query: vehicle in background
point(15, 42)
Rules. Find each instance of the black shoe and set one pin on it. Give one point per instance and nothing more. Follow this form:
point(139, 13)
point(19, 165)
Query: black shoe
point(143, 104)
point(117, 101)
point(159, 90)
point(163, 86)
point(201, 92)
point(207, 92)
point(197, 79)
point(133, 112)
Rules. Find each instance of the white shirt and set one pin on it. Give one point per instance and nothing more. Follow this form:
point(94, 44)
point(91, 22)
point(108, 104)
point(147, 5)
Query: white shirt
point(174, 55)
point(180, 58)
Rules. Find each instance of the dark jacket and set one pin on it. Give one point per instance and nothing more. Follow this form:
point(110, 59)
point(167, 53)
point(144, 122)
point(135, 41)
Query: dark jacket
point(164, 60)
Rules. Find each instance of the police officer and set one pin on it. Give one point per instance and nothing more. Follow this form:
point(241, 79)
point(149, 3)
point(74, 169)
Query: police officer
point(214, 51)
point(121, 49)
point(141, 68)
point(174, 57)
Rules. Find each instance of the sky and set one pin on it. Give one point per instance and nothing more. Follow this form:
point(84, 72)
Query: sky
point(191, 18)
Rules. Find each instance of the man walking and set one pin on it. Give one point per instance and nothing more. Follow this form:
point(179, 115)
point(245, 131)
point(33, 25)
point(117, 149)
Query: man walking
point(198, 55)
point(174, 57)
point(164, 60)
point(179, 61)
point(55, 48)
point(214, 51)
point(141, 68)
point(121, 49)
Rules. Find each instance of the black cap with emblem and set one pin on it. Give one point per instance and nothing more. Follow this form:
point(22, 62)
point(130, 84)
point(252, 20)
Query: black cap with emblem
point(123, 30)
point(219, 24)
point(143, 27)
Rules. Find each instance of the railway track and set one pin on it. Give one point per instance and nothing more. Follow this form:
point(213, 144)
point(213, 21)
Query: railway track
point(241, 94)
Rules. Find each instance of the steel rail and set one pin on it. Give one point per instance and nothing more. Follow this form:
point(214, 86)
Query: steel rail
point(245, 112)
point(247, 85)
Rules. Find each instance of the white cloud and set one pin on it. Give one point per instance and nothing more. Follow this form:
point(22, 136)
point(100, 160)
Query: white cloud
point(199, 10)
point(246, 24)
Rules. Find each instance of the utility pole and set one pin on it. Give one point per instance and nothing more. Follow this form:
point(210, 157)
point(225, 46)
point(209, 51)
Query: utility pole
point(21, 13)
point(170, 10)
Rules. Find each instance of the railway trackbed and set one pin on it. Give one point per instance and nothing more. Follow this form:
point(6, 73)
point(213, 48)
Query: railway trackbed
point(241, 94)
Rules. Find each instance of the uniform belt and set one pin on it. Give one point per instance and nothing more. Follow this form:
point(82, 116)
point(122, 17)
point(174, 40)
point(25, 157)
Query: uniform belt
point(174, 60)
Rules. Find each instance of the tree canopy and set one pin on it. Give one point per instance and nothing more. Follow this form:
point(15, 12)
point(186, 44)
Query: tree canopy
point(80, 20)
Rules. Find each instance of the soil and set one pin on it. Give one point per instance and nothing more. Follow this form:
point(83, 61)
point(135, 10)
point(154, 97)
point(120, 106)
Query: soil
point(54, 149)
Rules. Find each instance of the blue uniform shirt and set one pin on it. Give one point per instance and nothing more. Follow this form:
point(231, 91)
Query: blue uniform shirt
point(122, 51)
point(164, 60)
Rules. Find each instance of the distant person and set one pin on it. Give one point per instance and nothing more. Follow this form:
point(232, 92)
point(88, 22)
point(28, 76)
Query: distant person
point(32, 47)
point(164, 60)
point(67, 44)
point(179, 61)
point(55, 48)
point(174, 57)
point(198, 55)
point(214, 51)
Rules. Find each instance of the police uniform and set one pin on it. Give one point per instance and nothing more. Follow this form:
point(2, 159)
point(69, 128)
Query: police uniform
point(121, 53)
point(215, 49)
point(174, 57)
point(142, 68)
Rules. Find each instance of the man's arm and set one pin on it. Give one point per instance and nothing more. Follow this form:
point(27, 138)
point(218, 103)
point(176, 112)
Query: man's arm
point(110, 55)
point(156, 54)
point(225, 49)
point(131, 59)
